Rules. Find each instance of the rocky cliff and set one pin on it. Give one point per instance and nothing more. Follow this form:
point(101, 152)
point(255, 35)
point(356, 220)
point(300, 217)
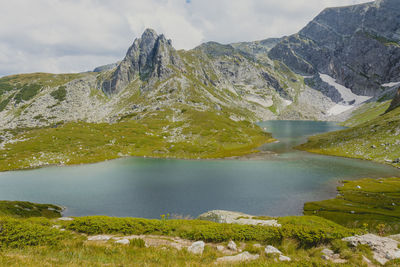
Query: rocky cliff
point(359, 46)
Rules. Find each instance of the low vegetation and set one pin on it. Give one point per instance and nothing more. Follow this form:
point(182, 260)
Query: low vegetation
point(43, 241)
point(372, 204)
point(376, 140)
point(197, 135)
point(23, 209)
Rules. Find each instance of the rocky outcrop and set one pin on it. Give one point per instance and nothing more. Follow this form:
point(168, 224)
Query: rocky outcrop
point(395, 102)
point(384, 248)
point(149, 57)
point(223, 216)
point(357, 45)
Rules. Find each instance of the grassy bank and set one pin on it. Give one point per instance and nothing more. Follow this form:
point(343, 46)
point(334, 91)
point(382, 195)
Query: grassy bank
point(197, 135)
point(377, 140)
point(372, 204)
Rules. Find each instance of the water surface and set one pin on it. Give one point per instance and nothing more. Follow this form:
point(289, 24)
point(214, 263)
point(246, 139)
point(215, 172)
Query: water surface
point(138, 187)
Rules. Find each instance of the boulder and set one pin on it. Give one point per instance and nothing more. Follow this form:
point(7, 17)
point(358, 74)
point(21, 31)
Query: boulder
point(223, 216)
point(197, 247)
point(384, 248)
point(272, 250)
point(284, 258)
point(244, 256)
point(232, 245)
point(100, 238)
point(123, 241)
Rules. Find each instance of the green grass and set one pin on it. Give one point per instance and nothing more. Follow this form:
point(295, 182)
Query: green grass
point(23, 209)
point(37, 242)
point(202, 135)
point(377, 140)
point(364, 203)
point(59, 94)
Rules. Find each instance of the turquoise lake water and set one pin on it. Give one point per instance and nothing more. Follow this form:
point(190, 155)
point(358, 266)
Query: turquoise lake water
point(137, 187)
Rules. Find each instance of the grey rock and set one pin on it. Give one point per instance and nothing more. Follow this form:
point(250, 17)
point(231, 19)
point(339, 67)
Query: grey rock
point(232, 245)
point(384, 248)
point(244, 256)
point(223, 216)
point(197, 247)
point(272, 250)
point(357, 45)
point(284, 258)
point(123, 241)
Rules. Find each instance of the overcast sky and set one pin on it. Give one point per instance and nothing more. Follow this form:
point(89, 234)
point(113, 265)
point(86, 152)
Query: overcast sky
point(78, 35)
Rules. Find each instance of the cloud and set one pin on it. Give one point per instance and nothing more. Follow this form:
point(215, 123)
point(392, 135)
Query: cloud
point(77, 35)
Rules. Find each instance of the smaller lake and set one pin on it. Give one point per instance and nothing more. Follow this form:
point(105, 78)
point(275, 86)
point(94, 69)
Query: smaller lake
point(136, 187)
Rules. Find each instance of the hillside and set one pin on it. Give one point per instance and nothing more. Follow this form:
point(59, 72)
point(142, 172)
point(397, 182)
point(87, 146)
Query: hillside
point(376, 139)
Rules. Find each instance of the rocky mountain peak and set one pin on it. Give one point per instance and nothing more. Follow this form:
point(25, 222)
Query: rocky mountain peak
point(148, 57)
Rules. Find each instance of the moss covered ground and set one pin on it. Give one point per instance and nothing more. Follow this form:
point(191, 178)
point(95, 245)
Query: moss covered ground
point(373, 204)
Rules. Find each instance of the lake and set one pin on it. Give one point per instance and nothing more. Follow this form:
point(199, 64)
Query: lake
point(276, 185)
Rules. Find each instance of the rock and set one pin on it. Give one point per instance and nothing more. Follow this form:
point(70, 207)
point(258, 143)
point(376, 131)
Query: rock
point(100, 238)
point(358, 187)
point(123, 241)
point(324, 257)
point(65, 219)
point(244, 256)
point(384, 248)
point(327, 252)
point(257, 245)
point(232, 245)
point(197, 247)
point(223, 216)
point(272, 250)
point(396, 160)
point(220, 248)
point(284, 258)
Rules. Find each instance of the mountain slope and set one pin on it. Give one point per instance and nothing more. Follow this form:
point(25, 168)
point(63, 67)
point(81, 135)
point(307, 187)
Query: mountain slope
point(359, 46)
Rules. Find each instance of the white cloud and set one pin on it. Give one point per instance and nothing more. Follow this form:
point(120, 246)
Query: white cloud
point(77, 35)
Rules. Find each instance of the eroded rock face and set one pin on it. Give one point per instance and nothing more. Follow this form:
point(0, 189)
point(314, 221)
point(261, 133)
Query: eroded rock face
point(395, 102)
point(149, 56)
point(384, 248)
point(357, 45)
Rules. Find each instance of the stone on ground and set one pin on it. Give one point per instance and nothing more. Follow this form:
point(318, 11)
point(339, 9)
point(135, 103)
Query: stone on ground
point(272, 250)
point(284, 258)
point(244, 256)
point(384, 248)
point(223, 216)
point(232, 245)
point(123, 241)
point(197, 247)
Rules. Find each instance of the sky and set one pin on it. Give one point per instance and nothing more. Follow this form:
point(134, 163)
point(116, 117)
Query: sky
point(77, 35)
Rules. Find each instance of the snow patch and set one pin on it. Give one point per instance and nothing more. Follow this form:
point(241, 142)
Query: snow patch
point(261, 101)
point(338, 109)
point(345, 92)
point(391, 84)
point(350, 100)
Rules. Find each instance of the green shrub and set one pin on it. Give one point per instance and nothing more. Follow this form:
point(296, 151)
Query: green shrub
point(17, 233)
point(306, 230)
point(27, 92)
point(59, 94)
